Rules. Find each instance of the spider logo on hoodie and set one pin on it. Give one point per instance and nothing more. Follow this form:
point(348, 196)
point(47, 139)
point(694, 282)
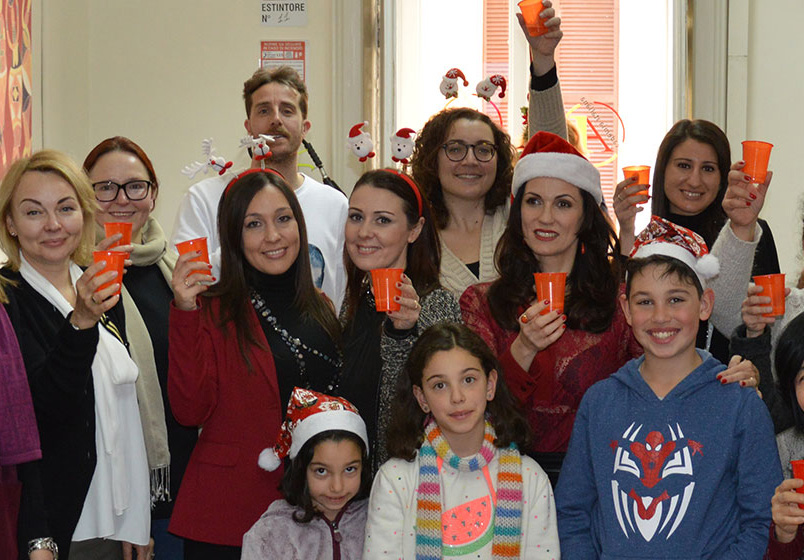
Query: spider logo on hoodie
point(652, 482)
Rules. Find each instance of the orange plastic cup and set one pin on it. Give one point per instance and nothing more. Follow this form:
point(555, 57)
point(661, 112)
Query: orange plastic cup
point(530, 11)
point(384, 280)
point(642, 174)
point(199, 244)
point(773, 286)
point(118, 227)
point(551, 286)
point(798, 472)
point(756, 155)
point(115, 260)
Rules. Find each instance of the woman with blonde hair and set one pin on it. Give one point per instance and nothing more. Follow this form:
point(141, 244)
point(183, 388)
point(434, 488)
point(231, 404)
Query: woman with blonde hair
point(92, 481)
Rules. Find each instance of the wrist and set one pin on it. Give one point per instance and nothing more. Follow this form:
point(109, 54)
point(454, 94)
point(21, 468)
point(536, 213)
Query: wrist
point(523, 351)
point(743, 232)
point(784, 535)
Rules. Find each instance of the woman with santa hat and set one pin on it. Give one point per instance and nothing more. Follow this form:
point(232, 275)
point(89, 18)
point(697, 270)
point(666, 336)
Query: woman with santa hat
point(551, 357)
point(464, 163)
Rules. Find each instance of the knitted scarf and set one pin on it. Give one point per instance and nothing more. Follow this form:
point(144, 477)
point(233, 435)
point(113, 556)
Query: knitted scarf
point(152, 250)
point(508, 514)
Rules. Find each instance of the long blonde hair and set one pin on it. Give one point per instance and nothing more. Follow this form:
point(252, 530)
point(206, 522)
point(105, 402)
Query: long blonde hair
point(48, 161)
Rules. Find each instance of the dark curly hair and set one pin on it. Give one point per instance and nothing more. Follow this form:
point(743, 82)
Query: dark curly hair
point(706, 133)
point(424, 161)
point(294, 480)
point(406, 429)
point(592, 285)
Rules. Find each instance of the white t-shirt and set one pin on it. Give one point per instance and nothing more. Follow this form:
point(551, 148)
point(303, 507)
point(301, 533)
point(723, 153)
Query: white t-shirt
point(324, 210)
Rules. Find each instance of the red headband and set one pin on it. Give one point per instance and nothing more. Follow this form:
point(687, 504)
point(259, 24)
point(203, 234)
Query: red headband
point(412, 184)
point(249, 172)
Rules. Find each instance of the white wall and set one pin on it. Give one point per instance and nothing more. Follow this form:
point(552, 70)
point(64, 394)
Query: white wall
point(167, 74)
point(775, 89)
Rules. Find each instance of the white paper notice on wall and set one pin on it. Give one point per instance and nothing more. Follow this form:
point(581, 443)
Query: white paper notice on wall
point(284, 53)
point(285, 14)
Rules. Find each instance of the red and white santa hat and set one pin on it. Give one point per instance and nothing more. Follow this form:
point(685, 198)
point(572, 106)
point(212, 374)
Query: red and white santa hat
point(499, 80)
point(454, 74)
point(663, 237)
point(403, 133)
point(310, 413)
point(548, 155)
point(355, 131)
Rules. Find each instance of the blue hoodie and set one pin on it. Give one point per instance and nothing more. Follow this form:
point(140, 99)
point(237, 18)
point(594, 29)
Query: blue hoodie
point(687, 476)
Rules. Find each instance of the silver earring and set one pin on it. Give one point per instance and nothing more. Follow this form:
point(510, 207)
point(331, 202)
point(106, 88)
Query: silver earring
point(426, 409)
point(13, 233)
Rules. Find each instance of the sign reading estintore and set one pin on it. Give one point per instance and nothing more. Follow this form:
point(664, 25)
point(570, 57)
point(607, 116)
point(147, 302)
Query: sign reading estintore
point(286, 14)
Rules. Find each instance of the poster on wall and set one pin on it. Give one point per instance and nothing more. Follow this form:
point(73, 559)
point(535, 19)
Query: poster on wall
point(284, 53)
point(15, 81)
point(285, 14)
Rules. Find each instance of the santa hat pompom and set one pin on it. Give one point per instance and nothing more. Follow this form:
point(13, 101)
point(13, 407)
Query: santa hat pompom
point(708, 266)
point(268, 460)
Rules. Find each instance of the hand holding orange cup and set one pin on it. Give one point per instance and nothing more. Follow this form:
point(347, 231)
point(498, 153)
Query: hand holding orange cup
point(530, 11)
point(115, 260)
point(551, 286)
point(199, 244)
point(773, 287)
point(756, 155)
point(118, 227)
point(642, 175)
point(383, 282)
point(798, 472)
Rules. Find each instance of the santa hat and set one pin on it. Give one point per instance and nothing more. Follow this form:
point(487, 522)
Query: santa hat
point(310, 413)
point(404, 133)
point(355, 130)
point(454, 73)
point(499, 80)
point(548, 155)
point(662, 237)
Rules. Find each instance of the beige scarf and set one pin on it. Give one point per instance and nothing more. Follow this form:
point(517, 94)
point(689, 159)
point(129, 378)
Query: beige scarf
point(152, 250)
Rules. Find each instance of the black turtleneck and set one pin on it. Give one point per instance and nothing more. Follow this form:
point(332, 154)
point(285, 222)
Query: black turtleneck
point(279, 293)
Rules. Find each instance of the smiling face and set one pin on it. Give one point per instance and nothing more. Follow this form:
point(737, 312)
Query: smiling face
point(467, 179)
point(122, 167)
point(455, 389)
point(275, 111)
point(663, 311)
point(377, 231)
point(46, 218)
point(691, 178)
point(270, 232)
point(552, 213)
point(333, 475)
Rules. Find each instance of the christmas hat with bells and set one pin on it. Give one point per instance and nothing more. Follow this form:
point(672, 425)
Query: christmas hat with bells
point(310, 413)
point(665, 238)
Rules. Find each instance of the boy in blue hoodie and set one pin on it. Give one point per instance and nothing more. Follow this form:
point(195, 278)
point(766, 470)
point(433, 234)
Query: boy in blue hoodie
point(664, 461)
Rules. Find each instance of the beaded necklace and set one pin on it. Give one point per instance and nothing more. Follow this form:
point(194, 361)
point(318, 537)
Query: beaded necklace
point(296, 346)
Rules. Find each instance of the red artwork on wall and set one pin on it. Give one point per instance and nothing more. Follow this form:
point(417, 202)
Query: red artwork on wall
point(15, 81)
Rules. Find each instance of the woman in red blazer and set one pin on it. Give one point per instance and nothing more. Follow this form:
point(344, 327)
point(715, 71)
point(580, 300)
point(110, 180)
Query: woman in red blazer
point(236, 350)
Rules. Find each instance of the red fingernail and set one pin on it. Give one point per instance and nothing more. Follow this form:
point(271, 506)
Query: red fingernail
point(723, 381)
point(563, 317)
point(748, 204)
point(742, 383)
point(753, 196)
point(747, 178)
point(563, 327)
point(719, 376)
point(546, 301)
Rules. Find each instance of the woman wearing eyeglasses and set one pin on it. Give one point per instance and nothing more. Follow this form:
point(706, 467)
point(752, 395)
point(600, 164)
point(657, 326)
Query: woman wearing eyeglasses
point(126, 188)
point(464, 164)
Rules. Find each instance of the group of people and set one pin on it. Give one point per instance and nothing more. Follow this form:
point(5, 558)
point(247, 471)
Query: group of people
point(260, 406)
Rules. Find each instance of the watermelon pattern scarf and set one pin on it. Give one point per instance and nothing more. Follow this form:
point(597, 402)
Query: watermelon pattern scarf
point(508, 515)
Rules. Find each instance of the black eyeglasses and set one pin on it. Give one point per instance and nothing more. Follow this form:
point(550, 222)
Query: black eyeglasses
point(106, 191)
point(457, 150)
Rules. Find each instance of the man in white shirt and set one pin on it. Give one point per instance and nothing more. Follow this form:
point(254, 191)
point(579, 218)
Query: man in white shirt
point(276, 105)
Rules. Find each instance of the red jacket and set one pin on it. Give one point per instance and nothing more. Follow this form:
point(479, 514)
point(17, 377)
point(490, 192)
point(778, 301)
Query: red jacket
point(223, 491)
